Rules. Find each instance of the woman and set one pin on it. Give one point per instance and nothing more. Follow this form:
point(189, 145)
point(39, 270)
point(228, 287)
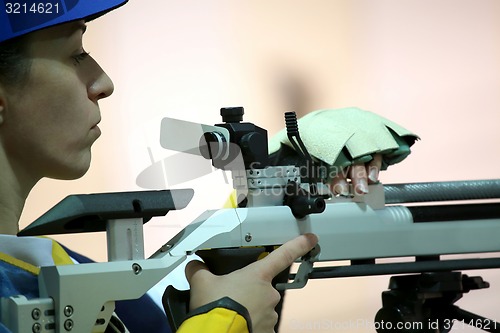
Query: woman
point(49, 114)
point(50, 89)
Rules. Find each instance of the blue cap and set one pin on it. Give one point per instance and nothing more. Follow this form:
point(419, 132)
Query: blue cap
point(19, 17)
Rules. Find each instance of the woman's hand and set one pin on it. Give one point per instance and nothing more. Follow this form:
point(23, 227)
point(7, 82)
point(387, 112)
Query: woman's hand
point(251, 285)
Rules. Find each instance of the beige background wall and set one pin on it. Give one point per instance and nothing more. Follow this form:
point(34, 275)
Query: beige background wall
point(433, 66)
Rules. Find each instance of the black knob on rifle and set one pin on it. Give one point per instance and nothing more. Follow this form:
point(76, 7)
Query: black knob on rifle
point(213, 145)
point(301, 202)
point(232, 114)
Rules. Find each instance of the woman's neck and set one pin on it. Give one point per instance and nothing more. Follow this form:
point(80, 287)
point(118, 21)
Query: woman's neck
point(14, 189)
point(11, 207)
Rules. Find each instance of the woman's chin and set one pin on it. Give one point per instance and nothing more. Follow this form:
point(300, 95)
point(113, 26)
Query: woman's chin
point(71, 171)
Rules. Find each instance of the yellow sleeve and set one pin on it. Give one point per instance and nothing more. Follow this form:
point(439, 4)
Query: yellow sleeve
point(222, 316)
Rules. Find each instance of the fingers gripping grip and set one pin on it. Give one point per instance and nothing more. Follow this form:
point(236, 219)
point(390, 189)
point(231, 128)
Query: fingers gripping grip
point(220, 262)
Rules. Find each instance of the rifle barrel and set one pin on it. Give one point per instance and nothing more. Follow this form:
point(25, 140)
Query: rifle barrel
point(442, 191)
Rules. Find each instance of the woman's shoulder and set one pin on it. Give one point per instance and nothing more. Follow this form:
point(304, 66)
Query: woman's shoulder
point(20, 262)
point(21, 257)
point(35, 251)
point(18, 274)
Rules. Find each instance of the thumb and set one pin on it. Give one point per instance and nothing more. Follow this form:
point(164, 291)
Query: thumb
point(285, 256)
point(196, 269)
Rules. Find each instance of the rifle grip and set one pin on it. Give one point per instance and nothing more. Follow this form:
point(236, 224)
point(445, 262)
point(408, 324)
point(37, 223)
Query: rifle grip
point(225, 261)
point(176, 305)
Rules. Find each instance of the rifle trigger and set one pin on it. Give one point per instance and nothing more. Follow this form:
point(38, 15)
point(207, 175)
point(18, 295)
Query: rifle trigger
point(305, 268)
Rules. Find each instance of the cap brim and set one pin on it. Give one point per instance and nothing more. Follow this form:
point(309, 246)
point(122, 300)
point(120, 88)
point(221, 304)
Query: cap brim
point(22, 17)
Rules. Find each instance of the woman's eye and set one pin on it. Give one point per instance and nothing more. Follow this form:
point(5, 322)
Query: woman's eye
point(80, 57)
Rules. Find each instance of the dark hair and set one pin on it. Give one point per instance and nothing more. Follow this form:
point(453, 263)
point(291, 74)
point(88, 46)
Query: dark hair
point(14, 61)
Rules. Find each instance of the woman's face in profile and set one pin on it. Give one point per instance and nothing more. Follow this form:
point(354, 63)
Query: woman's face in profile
point(50, 120)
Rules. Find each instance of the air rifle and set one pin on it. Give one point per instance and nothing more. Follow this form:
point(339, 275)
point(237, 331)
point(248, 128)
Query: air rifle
point(275, 204)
